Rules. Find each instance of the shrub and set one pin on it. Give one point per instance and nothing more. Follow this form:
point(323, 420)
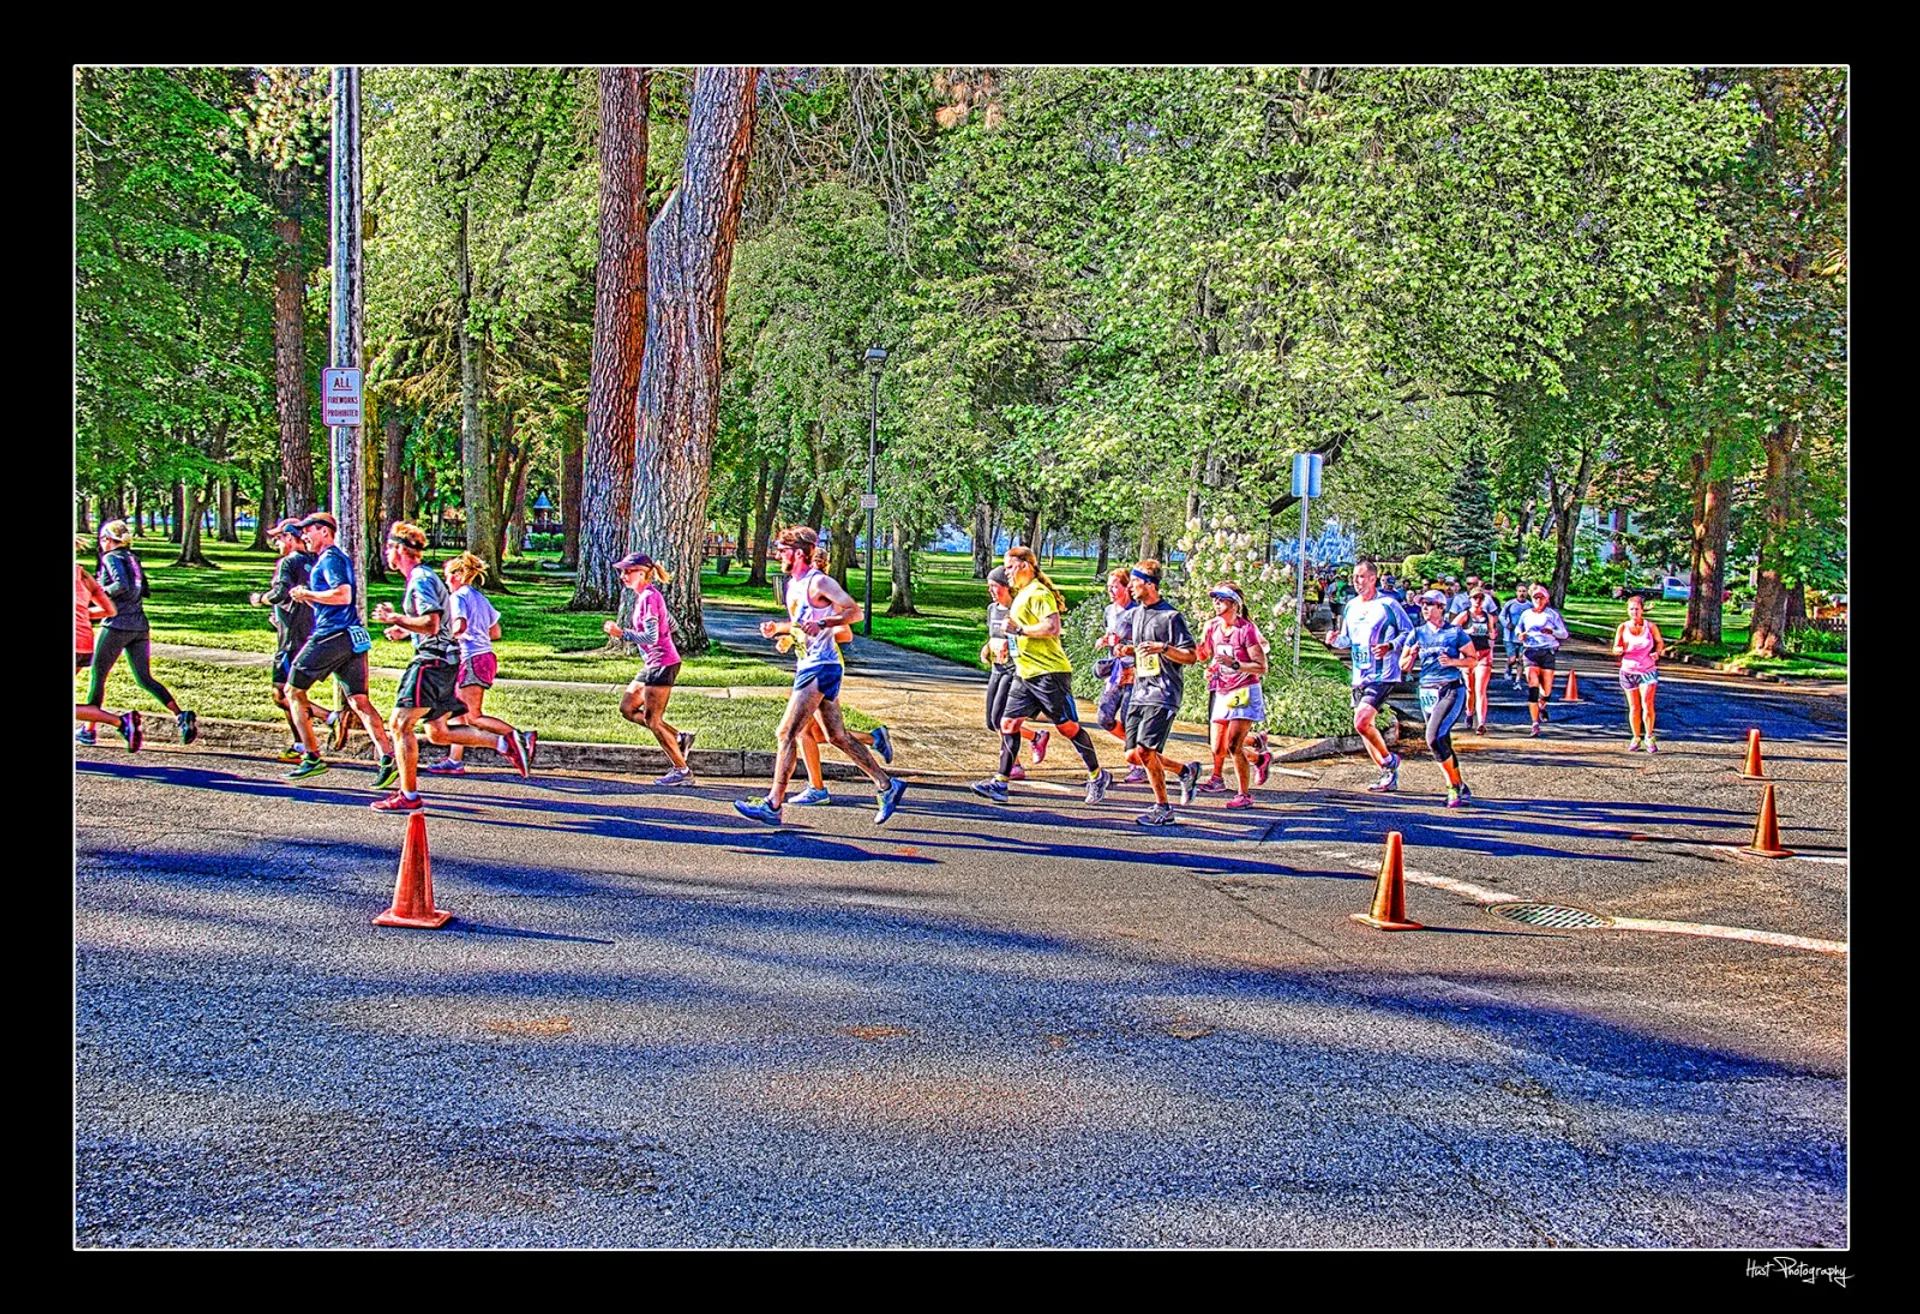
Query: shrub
point(546, 542)
point(1423, 566)
point(1803, 642)
point(1597, 581)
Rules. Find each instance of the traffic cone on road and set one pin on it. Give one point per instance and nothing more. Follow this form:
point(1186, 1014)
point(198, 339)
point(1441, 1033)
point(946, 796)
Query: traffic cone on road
point(1766, 832)
point(1573, 687)
point(1752, 770)
point(413, 892)
point(1389, 893)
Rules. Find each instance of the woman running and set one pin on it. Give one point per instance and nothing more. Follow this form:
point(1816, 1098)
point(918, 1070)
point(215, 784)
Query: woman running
point(1236, 655)
point(474, 624)
point(1445, 651)
point(997, 655)
point(1637, 643)
point(126, 630)
point(1541, 634)
point(91, 603)
point(1476, 613)
point(645, 701)
point(813, 733)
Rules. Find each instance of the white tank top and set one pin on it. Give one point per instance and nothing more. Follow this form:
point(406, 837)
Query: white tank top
point(820, 650)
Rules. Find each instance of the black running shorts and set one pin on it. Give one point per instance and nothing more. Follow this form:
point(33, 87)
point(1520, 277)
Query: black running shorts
point(332, 655)
point(1048, 696)
point(1149, 725)
point(431, 684)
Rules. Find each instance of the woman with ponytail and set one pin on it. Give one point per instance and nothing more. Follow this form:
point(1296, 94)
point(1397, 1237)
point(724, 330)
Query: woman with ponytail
point(645, 702)
point(474, 623)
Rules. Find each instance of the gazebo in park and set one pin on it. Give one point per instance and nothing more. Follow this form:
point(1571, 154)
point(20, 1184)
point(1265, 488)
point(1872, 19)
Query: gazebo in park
point(544, 519)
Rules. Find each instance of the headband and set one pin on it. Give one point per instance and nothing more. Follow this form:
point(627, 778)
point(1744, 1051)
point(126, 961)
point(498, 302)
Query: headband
point(1141, 574)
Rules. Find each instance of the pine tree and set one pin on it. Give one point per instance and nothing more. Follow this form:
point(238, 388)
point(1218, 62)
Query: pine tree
point(1470, 534)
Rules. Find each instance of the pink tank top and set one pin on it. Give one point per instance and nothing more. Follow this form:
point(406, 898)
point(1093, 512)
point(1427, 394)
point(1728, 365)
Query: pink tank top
point(82, 617)
point(1637, 657)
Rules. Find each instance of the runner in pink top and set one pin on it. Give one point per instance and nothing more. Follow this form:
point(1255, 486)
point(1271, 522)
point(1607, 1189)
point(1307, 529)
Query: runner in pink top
point(1235, 653)
point(645, 702)
point(1637, 643)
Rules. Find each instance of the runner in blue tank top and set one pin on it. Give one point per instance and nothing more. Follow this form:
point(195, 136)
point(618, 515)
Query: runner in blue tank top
point(1444, 650)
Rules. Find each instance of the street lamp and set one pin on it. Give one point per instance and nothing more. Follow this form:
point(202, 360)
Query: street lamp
point(876, 359)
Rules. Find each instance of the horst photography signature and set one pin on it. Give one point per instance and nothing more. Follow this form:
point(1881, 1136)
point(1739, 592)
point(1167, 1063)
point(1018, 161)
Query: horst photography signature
point(1795, 1270)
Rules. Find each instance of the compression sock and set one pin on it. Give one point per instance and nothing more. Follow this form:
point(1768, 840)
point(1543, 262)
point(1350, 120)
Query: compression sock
point(1009, 750)
point(1083, 744)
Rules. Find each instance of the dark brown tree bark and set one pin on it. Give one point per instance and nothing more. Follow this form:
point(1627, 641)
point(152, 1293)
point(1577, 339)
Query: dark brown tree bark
point(224, 498)
point(572, 449)
point(982, 540)
point(194, 494)
point(179, 510)
point(900, 602)
point(620, 338)
point(678, 401)
point(1770, 597)
point(1712, 501)
point(290, 348)
point(393, 455)
point(269, 504)
point(764, 516)
point(517, 518)
point(1106, 532)
point(81, 523)
point(373, 491)
point(1030, 536)
point(817, 511)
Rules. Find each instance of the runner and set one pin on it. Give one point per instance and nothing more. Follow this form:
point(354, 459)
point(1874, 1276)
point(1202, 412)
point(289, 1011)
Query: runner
point(1160, 643)
point(997, 653)
point(428, 690)
point(1638, 645)
point(1474, 611)
point(1541, 633)
point(1043, 677)
point(337, 647)
point(1510, 629)
point(292, 621)
point(816, 606)
point(126, 630)
point(645, 701)
point(1111, 713)
point(91, 603)
point(471, 622)
point(813, 732)
point(1445, 650)
point(1236, 654)
point(1369, 629)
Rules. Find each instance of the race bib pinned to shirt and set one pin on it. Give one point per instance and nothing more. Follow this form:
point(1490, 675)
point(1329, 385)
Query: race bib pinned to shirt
point(1147, 663)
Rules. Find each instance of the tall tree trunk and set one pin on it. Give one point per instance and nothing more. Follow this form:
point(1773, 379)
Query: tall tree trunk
point(194, 494)
point(747, 498)
point(900, 603)
point(620, 335)
point(1769, 633)
point(179, 520)
point(393, 457)
point(840, 556)
point(764, 517)
point(373, 490)
point(982, 544)
point(476, 452)
point(517, 518)
point(1195, 471)
point(1566, 503)
point(1030, 535)
point(1712, 501)
point(1617, 548)
point(572, 449)
point(410, 494)
point(679, 395)
point(1146, 533)
point(225, 496)
point(1796, 605)
point(269, 504)
point(290, 400)
point(817, 513)
point(1100, 565)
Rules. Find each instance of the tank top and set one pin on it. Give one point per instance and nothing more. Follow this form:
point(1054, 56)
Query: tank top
point(820, 649)
point(1637, 659)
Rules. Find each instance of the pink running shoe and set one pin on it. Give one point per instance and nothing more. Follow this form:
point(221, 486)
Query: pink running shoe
point(1018, 773)
point(1261, 766)
point(1213, 785)
point(1136, 776)
point(1240, 801)
point(1040, 740)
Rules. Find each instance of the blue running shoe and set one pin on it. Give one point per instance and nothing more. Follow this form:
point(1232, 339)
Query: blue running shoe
point(883, 743)
point(889, 800)
point(814, 797)
point(85, 735)
point(1466, 795)
point(1389, 776)
point(758, 809)
point(992, 789)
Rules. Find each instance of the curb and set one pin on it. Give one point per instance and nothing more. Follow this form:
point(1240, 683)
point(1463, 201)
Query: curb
point(619, 759)
point(1339, 746)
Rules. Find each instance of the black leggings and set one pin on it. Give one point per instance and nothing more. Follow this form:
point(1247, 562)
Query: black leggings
point(106, 651)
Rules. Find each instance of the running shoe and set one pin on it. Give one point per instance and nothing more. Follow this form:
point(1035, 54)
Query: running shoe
point(1190, 782)
point(292, 753)
point(398, 802)
point(1453, 796)
point(889, 799)
point(1466, 795)
point(814, 796)
point(1040, 740)
point(1018, 773)
point(883, 743)
point(1651, 748)
point(1543, 711)
point(1135, 776)
point(446, 766)
point(309, 766)
point(1212, 785)
point(1633, 745)
point(677, 776)
point(993, 789)
point(533, 747)
point(1389, 776)
point(1098, 785)
point(388, 774)
point(758, 809)
point(1160, 814)
point(1480, 725)
point(1240, 801)
point(132, 731)
point(1535, 732)
point(1258, 741)
point(686, 741)
point(84, 735)
point(1261, 766)
point(339, 724)
point(517, 751)
point(189, 727)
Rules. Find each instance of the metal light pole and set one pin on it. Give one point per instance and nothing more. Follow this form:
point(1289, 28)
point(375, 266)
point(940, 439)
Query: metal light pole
point(876, 359)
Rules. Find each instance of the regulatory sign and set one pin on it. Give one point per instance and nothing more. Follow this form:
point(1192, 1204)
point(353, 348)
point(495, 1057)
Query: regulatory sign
point(869, 502)
point(1306, 474)
point(340, 398)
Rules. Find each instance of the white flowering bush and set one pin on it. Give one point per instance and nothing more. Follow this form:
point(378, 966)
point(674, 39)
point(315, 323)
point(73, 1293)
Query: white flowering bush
point(1220, 549)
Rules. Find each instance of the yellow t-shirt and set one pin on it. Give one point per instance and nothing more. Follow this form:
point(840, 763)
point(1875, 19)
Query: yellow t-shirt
point(1036, 656)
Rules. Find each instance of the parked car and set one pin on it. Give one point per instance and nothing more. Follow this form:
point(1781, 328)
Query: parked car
point(1675, 588)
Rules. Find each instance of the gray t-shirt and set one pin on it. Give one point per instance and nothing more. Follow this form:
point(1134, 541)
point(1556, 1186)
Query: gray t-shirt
point(1156, 681)
point(426, 592)
point(997, 629)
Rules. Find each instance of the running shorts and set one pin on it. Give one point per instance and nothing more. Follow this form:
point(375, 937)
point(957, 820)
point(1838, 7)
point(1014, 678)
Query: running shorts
point(1482, 643)
point(480, 669)
point(1251, 705)
point(1373, 695)
point(825, 677)
point(1048, 695)
point(1115, 699)
point(663, 677)
point(1630, 682)
point(1542, 658)
point(1149, 726)
point(1442, 704)
point(332, 655)
point(282, 665)
point(429, 684)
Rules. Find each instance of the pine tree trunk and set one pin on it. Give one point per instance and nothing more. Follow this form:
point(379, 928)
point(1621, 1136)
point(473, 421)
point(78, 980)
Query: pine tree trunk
point(901, 601)
point(982, 543)
point(764, 516)
point(290, 400)
point(678, 401)
point(1769, 633)
point(1712, 500)
point(572, 448)
point(620, 336)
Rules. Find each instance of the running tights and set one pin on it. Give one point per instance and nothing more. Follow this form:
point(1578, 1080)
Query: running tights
point(107, 648)
point(1082, 743)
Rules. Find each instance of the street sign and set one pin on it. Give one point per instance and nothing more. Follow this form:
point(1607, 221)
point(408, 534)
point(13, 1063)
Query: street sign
point(869, 502)
point(1306, 474)
point(340, 399)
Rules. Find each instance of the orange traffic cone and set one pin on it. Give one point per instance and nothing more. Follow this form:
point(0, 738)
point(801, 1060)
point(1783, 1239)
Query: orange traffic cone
point(413, 892)
point(1573, 687)
point(1389, 893)
point(1766, 832)
point(1752, 770)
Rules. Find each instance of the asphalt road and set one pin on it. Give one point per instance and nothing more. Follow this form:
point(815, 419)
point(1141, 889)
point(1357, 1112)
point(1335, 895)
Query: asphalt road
point(653, 1023)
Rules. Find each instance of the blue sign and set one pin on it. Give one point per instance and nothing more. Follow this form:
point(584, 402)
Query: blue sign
point(1306, 474)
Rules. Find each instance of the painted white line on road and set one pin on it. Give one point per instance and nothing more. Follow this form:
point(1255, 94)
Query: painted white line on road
point(1730, 933)
point(1290, 771)
point(1477, 893)
point(1793, 857)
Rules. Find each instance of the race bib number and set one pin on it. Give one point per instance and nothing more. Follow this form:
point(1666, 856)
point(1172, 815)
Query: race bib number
point(1429, 699)
point(1240, 697)
point(1147, 663)
point(357, 635)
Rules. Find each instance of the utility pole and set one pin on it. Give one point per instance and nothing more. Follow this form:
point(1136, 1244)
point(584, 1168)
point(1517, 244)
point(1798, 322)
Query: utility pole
point(349, 485)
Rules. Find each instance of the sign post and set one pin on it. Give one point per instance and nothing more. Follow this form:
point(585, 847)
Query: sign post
point(1306, 486)
point(340, 389)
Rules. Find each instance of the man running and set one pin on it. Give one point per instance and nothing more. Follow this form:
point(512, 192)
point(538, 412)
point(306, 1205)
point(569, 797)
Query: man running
point(1444, 650)
point(1111, 713)
point(1369, 629)
point(1542, 631)
point(997, 653)
point(1160, 643)
point(1043, 684)
point(1510, 629)
point(337, 647)
point(816, 607)
point(429, 689)
point(292, 620)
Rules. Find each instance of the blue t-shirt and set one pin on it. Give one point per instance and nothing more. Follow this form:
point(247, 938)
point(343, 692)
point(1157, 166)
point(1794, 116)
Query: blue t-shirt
point(1510, 616)
point(1435, 642)
point(330, 570)
point(1364, 624)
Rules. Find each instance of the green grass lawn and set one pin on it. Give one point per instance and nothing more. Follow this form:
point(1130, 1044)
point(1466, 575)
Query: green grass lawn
point(1595, 618)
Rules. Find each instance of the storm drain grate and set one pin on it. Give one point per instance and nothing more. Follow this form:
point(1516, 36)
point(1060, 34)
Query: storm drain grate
point(1551, 915)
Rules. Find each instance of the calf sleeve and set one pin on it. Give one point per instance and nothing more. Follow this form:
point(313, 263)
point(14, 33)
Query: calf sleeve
point(1009, 750)
point(1083, 743)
